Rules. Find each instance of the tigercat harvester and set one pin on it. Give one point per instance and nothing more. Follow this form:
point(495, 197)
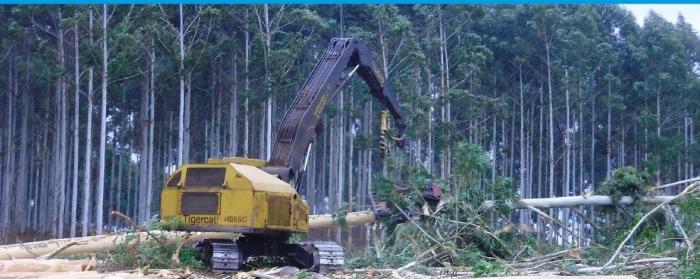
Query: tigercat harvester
point(259, 199)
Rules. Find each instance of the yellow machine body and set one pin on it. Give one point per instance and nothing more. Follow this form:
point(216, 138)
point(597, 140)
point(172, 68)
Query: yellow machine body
point(232, 195)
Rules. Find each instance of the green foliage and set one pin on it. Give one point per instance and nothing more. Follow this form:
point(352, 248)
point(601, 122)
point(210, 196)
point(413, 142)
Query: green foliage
point(458, 227)
point(485, 268)
point(503, 194)
point(690, 269)
point(175, 224)
point(471, 161)
point(304, 275)
point(626, 181)
point(339, 216)
point(689, 212)
point(134, 250)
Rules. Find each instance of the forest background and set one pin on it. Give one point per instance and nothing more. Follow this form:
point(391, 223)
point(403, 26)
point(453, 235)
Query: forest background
point(100, 103)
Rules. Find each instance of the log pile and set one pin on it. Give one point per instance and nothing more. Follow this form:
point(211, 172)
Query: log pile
point(105, 243)
point(93, 244)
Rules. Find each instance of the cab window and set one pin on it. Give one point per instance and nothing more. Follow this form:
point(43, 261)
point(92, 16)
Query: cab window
point(174, 180)
point(205, 177)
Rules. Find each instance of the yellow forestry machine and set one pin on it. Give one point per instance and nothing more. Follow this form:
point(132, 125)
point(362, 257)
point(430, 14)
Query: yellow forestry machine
point(259, 199)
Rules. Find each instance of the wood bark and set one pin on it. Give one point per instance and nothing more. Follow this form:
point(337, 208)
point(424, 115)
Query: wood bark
point(24, 181)
point(233, 111)
point(95, 244)
point(573, 201)
point(103, 128)
point(40, 268)
point(88, 142)
point(76, 125)
point(102, 243)
point(151, 127)
point(246, 90)
point(7, 180)
point(181, 115)
point(62, 135)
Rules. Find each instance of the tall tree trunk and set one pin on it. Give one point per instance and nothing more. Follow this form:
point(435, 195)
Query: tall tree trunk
point(550, 125)
point(112, 181)
point(246, 116)
point(62, 148)
point(88, 143)
point(188, 109)
point(568, 140)
point(144, 160)
point(76, 125)
point(267, 36)
point(233, 112)
point(521, 174)
point(151, 126)
point(658, 135)
point(24, 179)
point(181, 115)
point(9, 153)
point(608, 145)
point(103, 127)
point(120, 173)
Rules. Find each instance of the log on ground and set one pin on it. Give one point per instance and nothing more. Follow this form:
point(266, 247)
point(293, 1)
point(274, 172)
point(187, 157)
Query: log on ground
point(105, 243)
point(573, 201)
point(94, 244)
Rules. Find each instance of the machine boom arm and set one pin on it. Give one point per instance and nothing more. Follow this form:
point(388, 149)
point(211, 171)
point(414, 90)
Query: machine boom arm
point(298, 127)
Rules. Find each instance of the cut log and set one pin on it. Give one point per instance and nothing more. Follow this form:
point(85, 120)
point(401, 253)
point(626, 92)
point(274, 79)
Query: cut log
point(103, 243)
point(94, 244)
point(327, 221)
point(56, 265)
point(573, 201)
point(163, 273)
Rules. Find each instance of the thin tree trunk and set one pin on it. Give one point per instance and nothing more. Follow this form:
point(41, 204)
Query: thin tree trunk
point(246, 116)
point(151, 127)
point(112, 181)
point(103, 126)
point(608, 170)
point(88, 144)
point(181, 115)
point(521, 174)
point(63, 127)
point(550, 125)
point(120, 173)
point(188, 103)
point(9, 152)
point(567, 151)
point(233, 111)
point(550, 128)
point(24, 179)
point(142, 211)
point(76, 125)
point(658, 133)
point(265, 29)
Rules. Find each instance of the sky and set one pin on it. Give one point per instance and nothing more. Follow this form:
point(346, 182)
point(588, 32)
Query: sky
point(670, 12)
